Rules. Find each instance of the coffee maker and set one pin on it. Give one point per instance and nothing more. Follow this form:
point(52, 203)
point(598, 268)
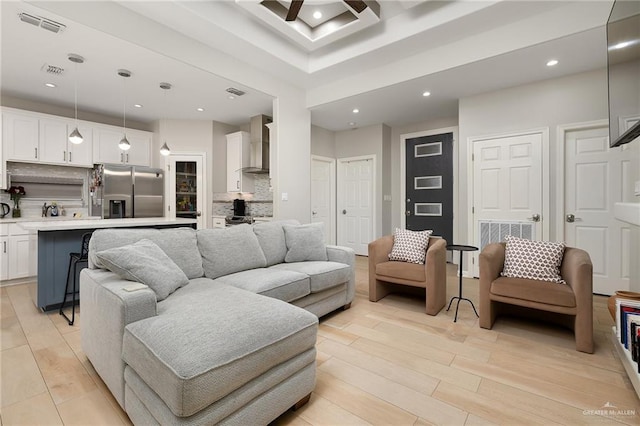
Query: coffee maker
point(239, 207)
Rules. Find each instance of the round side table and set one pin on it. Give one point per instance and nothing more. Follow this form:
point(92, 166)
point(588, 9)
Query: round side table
point(461, 248)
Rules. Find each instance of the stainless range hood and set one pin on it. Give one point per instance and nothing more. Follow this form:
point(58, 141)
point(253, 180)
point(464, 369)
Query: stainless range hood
point(259, 145)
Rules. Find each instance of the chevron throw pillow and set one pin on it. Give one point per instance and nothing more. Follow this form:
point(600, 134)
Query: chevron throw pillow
point(410, 246)
point(534, 260)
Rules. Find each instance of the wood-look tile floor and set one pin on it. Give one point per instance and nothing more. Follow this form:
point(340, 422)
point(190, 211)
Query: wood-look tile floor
point(385, 363)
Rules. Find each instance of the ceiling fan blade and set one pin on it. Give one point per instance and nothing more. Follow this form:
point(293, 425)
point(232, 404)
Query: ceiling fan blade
point(357, 5)
point(293, 10)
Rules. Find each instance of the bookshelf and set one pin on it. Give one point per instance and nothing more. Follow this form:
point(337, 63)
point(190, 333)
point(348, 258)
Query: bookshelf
point(625, 357)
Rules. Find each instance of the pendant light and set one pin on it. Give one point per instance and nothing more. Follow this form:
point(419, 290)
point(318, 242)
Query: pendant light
point(124, 143)
point(75, 137)
point(164, 150)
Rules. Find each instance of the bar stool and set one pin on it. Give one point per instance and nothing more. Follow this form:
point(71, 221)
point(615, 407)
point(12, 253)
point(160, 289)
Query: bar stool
point(74, 259)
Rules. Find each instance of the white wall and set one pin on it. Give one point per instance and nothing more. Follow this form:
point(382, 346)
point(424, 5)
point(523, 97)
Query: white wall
point(323, 142)
point(218, 176)
point(576, 98)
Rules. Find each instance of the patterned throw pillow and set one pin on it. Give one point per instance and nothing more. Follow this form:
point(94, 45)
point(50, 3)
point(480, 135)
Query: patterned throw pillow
point(410, 246)
point(534, 260)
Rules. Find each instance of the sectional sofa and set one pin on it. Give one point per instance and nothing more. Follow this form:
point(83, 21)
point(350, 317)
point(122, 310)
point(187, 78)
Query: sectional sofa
point(216, 334)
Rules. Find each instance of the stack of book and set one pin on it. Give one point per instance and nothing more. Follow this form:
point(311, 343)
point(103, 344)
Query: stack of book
point(628, 327)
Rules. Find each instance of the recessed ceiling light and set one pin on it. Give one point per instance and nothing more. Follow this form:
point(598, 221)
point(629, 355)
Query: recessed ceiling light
point(552, 63)
point(352, 123)
point(200, 109)
point(231, 97)
point(425, 94)
point(137, 105)
point(621, 45)
point(356, 110)
point(50, 85)
point(317, 14)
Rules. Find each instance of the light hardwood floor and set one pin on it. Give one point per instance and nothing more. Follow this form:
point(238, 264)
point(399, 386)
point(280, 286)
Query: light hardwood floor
point(378, 363)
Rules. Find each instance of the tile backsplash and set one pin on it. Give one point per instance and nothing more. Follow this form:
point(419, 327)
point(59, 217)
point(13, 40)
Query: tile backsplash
point(259, 203)
point(32, 207)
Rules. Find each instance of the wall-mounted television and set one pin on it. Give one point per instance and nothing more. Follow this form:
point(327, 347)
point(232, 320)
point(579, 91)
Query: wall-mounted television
point(623, 70)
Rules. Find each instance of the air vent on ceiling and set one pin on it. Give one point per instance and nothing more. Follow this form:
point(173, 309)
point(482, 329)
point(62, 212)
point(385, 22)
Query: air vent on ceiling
point(44, 23)
point(52, 69)
point(235, 91)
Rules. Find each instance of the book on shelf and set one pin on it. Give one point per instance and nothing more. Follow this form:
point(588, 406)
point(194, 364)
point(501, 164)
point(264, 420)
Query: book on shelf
point(633, 321)
point(627, 313)
point(619, 304)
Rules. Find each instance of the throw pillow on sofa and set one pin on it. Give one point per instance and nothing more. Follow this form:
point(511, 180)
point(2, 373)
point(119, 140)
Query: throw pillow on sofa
point(145, 263)
point(229, 250)
point(305, 242)
point(534, 260)
point(410, 246)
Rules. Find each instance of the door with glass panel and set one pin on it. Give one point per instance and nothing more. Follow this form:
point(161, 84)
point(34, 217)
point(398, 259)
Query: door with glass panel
point(429, 185)
point(185, 188)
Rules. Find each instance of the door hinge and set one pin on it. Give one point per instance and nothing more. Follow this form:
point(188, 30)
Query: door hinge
point(473, 260)
point(473, 157)
point(168, 167)
point(473, 210)
point(168, 208)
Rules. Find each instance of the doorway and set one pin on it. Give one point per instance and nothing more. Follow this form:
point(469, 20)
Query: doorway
point(185, 187)
point(594, 180)
point(356, 201)
point(323, 195)
point(429, 184)
point(509, 187)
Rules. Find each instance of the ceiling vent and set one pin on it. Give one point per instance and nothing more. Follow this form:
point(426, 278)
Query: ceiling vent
point(234, 91)
point(44, 23)
point(52, 69)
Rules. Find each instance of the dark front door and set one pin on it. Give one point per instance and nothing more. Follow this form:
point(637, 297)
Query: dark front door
point(429, 186)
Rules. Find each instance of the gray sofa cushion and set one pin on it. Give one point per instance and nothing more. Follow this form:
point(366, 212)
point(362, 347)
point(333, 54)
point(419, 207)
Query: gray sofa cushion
point(271, 238)
point(179, 244)
point(146, 263)
point(213, 345)
point(323, 275)
point(280, 284)
point(229, 250)
point(305, 242)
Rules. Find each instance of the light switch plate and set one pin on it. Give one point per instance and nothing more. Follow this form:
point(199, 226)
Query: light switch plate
point(285, 196)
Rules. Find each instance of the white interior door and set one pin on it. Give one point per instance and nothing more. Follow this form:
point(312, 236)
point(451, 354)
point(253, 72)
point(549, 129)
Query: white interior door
point(507, 188)
point(594, 176)
point(355, 203)
point(323, 195)
point(185, 187)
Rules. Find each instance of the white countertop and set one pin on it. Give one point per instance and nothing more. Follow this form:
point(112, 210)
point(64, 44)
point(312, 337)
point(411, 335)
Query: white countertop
point(45, 219)
point(97, 223)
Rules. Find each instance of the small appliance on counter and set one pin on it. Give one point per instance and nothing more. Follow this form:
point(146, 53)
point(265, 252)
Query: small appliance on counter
point(239, 213)
point(4, 209)
point(120, 191)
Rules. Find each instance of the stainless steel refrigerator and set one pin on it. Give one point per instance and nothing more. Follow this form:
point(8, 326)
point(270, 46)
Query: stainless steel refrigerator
point(121, 191)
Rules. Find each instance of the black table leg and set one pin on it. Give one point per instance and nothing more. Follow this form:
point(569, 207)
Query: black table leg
point(459, 296)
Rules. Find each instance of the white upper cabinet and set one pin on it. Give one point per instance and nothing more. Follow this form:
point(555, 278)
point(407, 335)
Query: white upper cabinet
point(106, 148)
point(44, 139)
point(20, 136)
point(238, 157)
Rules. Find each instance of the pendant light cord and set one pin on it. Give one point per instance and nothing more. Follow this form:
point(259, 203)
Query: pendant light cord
point(124, 107)
point(75, 92)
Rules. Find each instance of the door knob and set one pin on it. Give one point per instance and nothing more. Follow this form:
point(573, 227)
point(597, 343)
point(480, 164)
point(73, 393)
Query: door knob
point(344, 212)
point(571, 218)
point(535, 218)
point(198, 213)
point(408, 212)
point(314, 213)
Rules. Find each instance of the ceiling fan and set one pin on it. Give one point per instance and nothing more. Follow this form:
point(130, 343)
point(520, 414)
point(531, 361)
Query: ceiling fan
point(294, 9)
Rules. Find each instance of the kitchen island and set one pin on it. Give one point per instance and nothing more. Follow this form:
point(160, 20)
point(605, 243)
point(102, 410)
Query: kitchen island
point(57, 239)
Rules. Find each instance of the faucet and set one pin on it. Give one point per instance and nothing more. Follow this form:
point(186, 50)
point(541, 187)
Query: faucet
point(45, 209)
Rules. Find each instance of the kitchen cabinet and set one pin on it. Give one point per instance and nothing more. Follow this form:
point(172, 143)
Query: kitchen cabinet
point(16, 252)
point(20, 136)
point(186, 193)
point(42, 138)
point(106, 148)
point(4, 252)
point(219, 222)
point(239, 157)
point(3, 164)
point(55, 146)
